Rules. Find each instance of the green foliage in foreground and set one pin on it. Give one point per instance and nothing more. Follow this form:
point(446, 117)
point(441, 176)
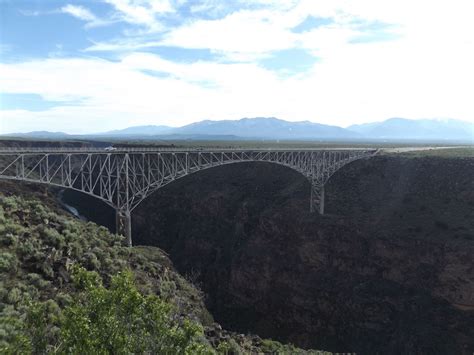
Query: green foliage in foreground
point(69, 287)
point(114, 320)
point(122, 320)
point(50, 303)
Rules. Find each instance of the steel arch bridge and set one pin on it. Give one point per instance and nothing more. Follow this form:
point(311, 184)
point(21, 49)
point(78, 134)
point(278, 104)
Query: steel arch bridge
point(123, 178)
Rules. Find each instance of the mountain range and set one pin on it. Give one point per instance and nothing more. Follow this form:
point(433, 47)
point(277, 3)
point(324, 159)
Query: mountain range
point(270, 128)
point(267, 128)
point(401, 128)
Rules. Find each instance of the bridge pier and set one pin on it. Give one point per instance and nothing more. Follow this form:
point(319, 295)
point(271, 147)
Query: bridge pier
point(317, 198)
point(321, 200)
point(123, 224)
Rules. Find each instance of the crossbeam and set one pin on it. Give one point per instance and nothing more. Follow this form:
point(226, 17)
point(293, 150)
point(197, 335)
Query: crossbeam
point(123, 178)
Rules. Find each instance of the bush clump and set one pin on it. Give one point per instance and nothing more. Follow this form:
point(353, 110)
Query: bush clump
point(114, 320)
point(8, 262)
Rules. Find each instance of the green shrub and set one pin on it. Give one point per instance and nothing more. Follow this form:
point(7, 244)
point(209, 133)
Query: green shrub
point(13, 228)
point(90, 261)
point(47, 270)
point(53, 238)
point(13, 338)
point(274, 347)
point(75, 249)
point(3, 291)
point(63, 299)
point(8, 262)
point(3, 219)
point(42, 323)
point(229, 347)
point(7, 239)
point(37, 280)
point(14, 296)
point(167, 289)
point(27, 249)
point(10, 203)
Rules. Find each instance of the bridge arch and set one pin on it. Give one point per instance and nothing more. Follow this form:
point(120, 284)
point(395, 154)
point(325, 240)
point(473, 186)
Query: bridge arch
point(153, 189)
point(124, 178)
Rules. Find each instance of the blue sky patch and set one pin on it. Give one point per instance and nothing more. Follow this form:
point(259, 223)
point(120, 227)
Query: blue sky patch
point(312, 22)
point(289, 61)
point(373, 31)
point(156, 73)
point(35, 36)
point(30, 102)
point(369, 26)
point(374, 37)
point(183, 55)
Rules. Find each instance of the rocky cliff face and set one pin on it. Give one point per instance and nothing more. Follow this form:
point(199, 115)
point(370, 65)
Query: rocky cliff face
point(389, 269)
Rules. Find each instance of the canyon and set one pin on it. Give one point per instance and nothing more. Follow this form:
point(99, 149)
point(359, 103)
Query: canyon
point(388, 269)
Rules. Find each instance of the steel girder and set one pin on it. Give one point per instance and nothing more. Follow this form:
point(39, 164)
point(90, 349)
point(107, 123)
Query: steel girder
point(125, 177)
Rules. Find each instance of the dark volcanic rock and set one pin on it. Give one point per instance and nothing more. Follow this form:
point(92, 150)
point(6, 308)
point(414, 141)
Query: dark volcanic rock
point(389, 269)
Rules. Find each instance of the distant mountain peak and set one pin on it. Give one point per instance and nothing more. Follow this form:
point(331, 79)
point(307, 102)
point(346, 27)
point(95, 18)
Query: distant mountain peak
point(420, 129)
point(395, 128)
point(40, 134)
point(267, 128)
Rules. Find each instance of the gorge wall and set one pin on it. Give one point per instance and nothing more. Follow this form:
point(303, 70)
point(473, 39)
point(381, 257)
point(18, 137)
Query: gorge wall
point(389, 269)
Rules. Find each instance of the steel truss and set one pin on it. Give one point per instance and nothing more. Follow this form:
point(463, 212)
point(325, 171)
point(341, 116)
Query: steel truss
point(124, 178)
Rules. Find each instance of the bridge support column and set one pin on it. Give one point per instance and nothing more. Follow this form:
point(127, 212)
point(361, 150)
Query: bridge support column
point(321, 200)
point(317, 198)
point(123, 223)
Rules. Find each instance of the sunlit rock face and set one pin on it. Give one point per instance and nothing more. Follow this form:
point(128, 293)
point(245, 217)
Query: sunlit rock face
point(388, 270)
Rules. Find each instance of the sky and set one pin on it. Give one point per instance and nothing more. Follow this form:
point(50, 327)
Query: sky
point(97, 65)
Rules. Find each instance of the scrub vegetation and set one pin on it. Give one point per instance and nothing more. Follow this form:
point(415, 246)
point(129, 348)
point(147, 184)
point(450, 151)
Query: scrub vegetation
point(73, 287)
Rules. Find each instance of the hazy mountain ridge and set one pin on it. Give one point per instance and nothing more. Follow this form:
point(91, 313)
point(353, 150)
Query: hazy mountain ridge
point(402, 128)
point(267, 127)
point(148, 130)
point(40, 134)
point(274, 128)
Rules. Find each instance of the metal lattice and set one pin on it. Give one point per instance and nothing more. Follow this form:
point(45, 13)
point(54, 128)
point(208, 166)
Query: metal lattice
point(123, 178)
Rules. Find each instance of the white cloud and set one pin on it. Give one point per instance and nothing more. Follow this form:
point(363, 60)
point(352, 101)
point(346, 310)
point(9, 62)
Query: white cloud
point(142, 12)
point(79, 11)
point(355, 84)
point(129, 44)
point(243, 32)
point(84, 14)
point(119, 94)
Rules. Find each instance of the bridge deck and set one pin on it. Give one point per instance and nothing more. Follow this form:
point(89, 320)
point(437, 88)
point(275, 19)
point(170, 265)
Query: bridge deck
point(120, 150)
